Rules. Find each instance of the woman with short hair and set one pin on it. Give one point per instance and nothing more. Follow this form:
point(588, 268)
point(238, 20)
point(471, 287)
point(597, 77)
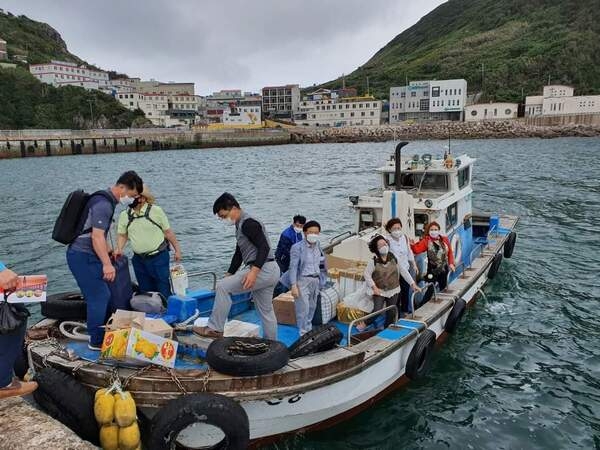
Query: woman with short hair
point(400, 248)
point(440, 257)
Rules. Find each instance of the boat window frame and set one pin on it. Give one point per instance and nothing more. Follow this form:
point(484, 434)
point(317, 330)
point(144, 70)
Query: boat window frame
point(374, 223)
point(451, 221)
point(464, 181)
point(418, 220)
point(443, 187)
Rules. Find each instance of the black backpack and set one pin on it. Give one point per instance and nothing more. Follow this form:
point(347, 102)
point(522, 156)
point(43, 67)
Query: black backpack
point(70, 221)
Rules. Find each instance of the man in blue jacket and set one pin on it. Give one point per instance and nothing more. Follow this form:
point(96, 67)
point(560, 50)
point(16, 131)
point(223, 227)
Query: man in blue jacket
point(289, 237)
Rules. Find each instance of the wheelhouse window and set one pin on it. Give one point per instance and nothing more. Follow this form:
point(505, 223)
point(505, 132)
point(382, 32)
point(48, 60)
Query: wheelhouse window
point(420, 221)
point(368, 219)
point(424, 181)
point(464, 177)
point(451, 216)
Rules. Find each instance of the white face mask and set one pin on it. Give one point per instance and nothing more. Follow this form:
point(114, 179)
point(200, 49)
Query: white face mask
point(396, 234)
point(312, 238)
point(298, 229)
point(384, 250)
point(434, 234)
point(126, 200)
point(228, 221)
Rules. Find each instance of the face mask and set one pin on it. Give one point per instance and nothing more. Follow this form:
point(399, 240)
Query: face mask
point(298, 230)
point(434, 234)
point(312, 238)
point(126, 200)
point(396, 233)
point(228, 221)
point(135, 203)
point(384, 250)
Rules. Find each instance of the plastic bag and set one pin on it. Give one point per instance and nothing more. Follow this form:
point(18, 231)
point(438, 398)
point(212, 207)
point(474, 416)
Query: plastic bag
point(179, 280)
point(11, 316)
point(360, 299)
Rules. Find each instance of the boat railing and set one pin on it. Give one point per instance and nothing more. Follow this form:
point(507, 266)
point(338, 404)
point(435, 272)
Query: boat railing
point(336, 238)
point(203, 274)
point(412, 297)
point(493, 231)
point(368, 316)
point(479, 248)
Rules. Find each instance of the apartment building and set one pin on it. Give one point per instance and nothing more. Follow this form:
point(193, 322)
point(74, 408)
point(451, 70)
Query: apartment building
point(325, 108)
point(281, 101)
point(559, 100)
point(62, 73)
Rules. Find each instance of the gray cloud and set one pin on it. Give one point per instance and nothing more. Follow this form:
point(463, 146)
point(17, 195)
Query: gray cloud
point(227, 44)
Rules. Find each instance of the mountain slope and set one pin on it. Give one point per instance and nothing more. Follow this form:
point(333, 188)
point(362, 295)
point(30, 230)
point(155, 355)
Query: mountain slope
point(521, 45)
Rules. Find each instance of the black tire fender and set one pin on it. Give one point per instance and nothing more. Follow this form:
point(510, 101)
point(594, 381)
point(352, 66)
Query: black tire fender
point(216, 410)
point(509, 245)
point(222, 358)
point(319, 339)
point(455, 315)
point(497, 260)
point(420, 356)
point(68, 401)
point(65, 306)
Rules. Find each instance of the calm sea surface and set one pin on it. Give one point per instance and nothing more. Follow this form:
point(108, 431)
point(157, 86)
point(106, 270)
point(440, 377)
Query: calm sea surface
point(523, 370)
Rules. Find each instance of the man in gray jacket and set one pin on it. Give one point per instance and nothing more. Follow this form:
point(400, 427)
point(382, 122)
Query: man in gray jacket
point(259, 274)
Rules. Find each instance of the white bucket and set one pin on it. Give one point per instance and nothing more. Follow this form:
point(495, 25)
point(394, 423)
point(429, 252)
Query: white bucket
point(179, 280)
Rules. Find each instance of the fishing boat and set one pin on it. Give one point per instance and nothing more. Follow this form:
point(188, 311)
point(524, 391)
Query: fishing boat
point(321, 389)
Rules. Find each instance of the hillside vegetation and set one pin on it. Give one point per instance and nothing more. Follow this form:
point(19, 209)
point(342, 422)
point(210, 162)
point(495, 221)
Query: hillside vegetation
point(521, 45)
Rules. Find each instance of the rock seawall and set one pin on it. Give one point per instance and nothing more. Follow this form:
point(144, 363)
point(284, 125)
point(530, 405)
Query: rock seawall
point(440, 130)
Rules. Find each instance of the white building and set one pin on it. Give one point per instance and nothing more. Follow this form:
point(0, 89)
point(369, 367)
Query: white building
point(558, 100)
point(61, 73)
point(281, 101)
point(3, 51)
point(242, 115)
point(491, 111)
point(162, 109)
point(323, 108)
point(428, 100)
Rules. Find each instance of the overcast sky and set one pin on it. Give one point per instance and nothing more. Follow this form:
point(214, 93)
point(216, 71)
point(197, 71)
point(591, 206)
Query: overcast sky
point(227, 44)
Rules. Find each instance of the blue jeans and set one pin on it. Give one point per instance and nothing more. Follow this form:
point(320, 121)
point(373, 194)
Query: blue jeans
point(152, 273)
point(87, 270)
point(10, 347)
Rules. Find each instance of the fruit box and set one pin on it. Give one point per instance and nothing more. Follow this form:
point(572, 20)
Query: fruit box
point(148, 347)
point(135, 344)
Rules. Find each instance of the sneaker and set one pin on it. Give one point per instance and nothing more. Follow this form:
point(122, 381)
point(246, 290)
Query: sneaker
point(94, 347)
point(207, 332)
point(18, 388)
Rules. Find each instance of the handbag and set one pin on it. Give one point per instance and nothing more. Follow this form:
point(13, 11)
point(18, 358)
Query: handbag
point(12, 316)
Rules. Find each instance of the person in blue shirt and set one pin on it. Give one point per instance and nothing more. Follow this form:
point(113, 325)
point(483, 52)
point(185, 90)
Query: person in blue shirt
point(11, 345)
point(290, 236)
point(88, 256)
point(307, 275)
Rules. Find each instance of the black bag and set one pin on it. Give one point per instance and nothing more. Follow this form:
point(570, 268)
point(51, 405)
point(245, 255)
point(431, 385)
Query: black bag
point(70, 221)
point(11, 316)
point(120, 289)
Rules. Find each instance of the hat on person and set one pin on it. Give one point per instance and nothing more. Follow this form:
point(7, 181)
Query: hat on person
point(147, 194)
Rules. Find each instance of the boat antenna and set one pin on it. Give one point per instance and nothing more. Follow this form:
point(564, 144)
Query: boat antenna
point(449, 151)
point(398, 165)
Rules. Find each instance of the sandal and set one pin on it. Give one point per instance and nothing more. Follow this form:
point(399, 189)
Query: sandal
point(207, 332)
point(18, 388)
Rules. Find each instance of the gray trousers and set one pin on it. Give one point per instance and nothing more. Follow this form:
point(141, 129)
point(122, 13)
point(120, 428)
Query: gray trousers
point(262, 295)
point(306, 303)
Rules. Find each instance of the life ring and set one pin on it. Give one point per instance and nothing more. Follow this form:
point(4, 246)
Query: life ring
point(68, 401)
point(509, 245)
point(456, 248)
point(319, 339)
point(246, 356)
point(455, 315)
point(420, 355)
point(200, 421)
point(495, 266)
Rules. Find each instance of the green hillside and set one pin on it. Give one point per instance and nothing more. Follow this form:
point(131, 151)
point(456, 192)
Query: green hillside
point(520, 43)
point(28, 103)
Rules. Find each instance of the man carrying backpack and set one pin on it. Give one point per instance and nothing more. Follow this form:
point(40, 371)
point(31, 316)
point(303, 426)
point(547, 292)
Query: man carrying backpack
point(88, 255)
point(147, 228)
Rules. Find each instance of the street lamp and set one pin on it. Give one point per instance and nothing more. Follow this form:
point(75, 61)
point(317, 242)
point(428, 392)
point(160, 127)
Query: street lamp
point(91, 113)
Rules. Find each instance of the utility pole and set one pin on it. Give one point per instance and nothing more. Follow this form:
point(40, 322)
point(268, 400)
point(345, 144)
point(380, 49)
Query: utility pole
point(482, 79)
point(343, 81)
point(367, 85)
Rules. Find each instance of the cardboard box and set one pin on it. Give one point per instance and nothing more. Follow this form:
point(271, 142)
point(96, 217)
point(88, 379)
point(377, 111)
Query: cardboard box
point(122, 319)
point(30, 289)
point(284, 309)
point(241, 329)
point(158, 327)
point(136, 344)
point(148, 347)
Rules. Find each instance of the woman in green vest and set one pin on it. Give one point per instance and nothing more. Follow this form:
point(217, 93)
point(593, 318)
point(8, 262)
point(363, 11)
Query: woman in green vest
point(146, 226)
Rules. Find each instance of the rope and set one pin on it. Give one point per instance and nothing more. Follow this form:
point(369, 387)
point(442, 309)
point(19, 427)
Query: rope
point(246, 348)
point(74, 333)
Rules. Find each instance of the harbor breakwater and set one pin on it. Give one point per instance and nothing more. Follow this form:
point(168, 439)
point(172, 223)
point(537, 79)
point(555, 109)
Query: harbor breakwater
point(32, 143)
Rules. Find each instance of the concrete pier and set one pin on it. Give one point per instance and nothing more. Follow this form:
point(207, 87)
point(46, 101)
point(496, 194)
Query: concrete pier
point(34, 143)
point(23, 427)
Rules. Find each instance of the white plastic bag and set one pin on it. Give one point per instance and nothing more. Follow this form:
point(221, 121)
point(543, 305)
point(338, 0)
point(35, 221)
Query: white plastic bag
point(360, 299)
point(179, 280)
